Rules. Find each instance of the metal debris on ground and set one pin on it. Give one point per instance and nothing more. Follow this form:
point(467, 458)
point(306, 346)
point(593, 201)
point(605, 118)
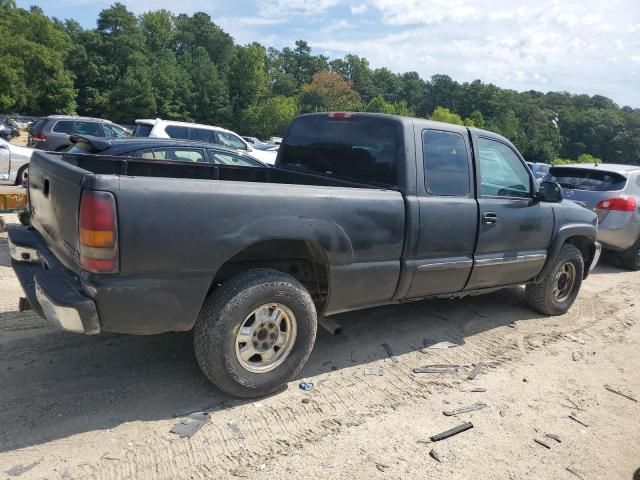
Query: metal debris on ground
point(451, 432)
point(553, 436)
point(436, 369)
point(475, 371)
point(477, 390)
point(512, 325)
point(576, 420)
point(575, 472)
point(373, 371)
point(20, 469)
point(540, 442)
point(390, 353)
point(235, 428)
point(381, 466)
point(470, 408)
point(433, 454)
point(187, 427)
point(435, 345)
point(306, 386)
point(618, 392)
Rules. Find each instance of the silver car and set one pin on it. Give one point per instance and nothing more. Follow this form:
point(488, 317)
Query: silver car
point(54, 132)
point(14, 162)
point(613, 192)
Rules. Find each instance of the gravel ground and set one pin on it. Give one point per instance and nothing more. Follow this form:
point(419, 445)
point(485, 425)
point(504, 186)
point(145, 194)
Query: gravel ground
point(102, 407)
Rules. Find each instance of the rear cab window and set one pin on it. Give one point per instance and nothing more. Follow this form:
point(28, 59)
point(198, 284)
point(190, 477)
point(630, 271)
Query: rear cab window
point(358, 149)
point(587, 179)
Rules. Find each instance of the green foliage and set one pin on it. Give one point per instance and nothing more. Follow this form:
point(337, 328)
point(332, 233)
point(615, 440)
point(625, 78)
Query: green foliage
point(583, 158)
point(185, 67)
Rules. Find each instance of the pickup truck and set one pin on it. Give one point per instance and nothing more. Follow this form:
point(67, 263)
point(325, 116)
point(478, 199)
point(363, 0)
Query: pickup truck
point(361, 210)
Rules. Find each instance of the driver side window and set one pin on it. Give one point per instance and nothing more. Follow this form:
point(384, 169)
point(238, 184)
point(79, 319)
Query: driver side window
point(502, 174)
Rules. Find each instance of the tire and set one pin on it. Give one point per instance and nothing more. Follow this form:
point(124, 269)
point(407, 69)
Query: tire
point(544, 298)
point(20, 176)
point(230, 308)
point(630, 258)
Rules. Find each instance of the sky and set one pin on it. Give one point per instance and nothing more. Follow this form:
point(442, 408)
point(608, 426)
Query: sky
point(579, 46)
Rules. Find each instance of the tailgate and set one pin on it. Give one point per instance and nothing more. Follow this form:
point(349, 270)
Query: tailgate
point(54, 194)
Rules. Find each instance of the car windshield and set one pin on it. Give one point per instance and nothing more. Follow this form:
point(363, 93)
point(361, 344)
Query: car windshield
point(586, 179)
point(142, 130)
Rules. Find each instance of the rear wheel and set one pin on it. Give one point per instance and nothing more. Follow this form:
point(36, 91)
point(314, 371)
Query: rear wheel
point(630, 258)
point(559, 288)
point(22, 175)
point(255, 333)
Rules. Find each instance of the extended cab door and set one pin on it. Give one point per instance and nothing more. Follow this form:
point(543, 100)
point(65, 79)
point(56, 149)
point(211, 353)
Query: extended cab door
point(515, 228)
point(448, 212)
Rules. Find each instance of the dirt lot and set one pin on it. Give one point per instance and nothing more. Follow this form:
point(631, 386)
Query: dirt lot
point(102, 407)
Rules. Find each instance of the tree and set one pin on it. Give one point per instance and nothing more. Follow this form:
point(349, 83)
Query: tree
point(248, 77)
point(441, 114)
point(270, 117)
point(327, 92)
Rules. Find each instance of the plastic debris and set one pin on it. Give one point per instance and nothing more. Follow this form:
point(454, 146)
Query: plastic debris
point(470, 408)
point(503, 413)
point(187, 427)
point(540, 442)
point(574, 339)
point(451, 432)
point(306, 386)
point(373, 371)
point(20, 469)
point(390, 353)
point(475, 371)
point(433, 454)
point(617, 392)
point(235, 428)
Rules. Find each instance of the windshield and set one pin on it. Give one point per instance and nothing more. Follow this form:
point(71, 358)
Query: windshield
point(586, 179)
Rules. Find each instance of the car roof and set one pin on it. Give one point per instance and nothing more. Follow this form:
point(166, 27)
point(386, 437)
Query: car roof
point(118, 146)
point(77, 117)
point(149, 121)
point(605, 167)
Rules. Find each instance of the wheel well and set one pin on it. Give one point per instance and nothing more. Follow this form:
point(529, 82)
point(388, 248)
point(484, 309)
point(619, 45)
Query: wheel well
point(584, 245)
point(305, 261)
point(19, 173)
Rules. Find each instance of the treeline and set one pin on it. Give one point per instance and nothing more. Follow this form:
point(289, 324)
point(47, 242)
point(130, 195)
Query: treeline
point(187, 68)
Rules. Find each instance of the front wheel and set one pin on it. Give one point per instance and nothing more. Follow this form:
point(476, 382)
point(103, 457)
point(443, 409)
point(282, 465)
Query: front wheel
point(255, 333)
point(560, 286)
point(630, 258)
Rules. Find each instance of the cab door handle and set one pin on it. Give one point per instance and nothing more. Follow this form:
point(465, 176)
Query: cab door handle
point(489, 218)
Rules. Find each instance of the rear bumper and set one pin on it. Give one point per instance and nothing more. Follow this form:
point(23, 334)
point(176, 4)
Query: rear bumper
point(52, 290)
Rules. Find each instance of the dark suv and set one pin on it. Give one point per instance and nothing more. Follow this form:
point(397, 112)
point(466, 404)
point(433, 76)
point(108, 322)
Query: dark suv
point(52, 132)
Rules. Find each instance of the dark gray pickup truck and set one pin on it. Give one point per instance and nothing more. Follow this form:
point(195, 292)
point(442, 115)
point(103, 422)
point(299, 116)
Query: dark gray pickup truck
point(361, 210)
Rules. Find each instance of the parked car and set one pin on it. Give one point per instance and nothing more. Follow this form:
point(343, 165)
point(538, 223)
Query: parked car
point(14, 162)
point(195, 131)
point(53, 132)
point(539, 170)
point(361, 210)
point(163, 149)
point(260, 145)
point(613, 193)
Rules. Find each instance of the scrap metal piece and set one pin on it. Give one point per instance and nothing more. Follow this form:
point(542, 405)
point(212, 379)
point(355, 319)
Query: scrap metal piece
point(475, 371)
point(390, 353)
point(576, 420)
point(617, 392)
point(470, 408)
point(187, 427)
point(433, 454)
point(451, 432)
point(20, 469)
point(540, 442)
point(477, 390)
point(381, 466)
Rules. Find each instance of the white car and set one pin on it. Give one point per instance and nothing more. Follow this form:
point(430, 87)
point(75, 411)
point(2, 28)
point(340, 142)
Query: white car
point(14, 162)
point(204, 133)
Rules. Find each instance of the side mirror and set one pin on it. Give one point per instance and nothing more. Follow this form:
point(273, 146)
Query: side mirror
point(550, 192)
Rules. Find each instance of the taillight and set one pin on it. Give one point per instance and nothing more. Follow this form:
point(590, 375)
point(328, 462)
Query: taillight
point(98, 232)
point(39, 136)
point(618, 204)
point(341, 115)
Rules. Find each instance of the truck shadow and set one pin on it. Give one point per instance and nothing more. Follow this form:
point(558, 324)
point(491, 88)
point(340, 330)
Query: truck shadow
point(57, 384)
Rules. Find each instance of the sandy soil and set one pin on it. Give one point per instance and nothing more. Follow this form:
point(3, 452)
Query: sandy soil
point(102, 407)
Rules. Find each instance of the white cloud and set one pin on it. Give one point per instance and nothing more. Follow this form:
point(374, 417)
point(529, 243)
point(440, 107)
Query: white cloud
point(289, 8)
point(359, 9)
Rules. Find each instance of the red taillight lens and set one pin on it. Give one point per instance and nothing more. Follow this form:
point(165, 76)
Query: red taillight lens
point(618, 204)
point(341, 115)
point(39, 136)
point(98, 232)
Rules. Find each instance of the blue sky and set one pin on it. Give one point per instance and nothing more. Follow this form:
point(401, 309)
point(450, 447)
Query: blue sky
point(581, 46)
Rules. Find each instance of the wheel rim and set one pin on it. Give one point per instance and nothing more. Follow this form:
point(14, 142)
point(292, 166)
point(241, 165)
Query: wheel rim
point(565, 279)
point(24, 175)
point(265, 338)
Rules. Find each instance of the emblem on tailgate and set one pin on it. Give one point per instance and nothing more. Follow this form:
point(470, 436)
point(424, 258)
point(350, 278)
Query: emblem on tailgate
point(72, 251)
